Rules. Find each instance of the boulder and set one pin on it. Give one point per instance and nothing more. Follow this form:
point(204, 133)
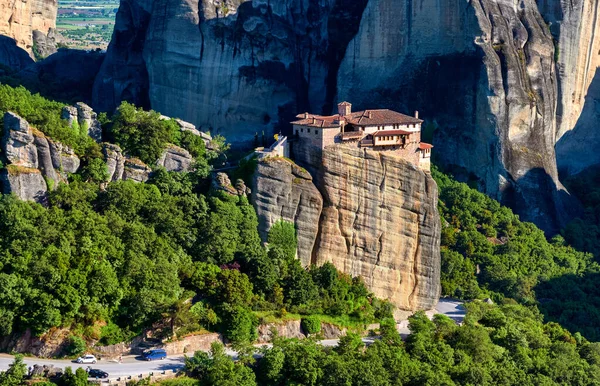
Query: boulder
point(175, 159)
point(136, 170)
point(26, 183)
point(89, 119)
point(17, 142)
point(115, 161)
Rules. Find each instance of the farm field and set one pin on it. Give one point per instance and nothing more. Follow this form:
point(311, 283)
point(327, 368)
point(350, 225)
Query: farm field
point(86, 24)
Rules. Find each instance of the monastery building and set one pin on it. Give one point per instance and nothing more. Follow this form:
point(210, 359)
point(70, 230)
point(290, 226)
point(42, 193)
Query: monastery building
point(379, 130)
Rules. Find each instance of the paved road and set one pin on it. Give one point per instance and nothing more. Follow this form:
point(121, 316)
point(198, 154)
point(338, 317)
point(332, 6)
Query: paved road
point(133, 367)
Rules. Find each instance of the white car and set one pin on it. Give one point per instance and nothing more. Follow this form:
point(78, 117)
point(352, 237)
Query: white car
point(88, 358)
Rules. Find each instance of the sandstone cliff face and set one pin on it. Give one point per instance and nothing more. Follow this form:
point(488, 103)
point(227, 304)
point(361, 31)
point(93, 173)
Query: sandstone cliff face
point(484, 70)
point(379, 220)
point(20, 18)
point(284, 191)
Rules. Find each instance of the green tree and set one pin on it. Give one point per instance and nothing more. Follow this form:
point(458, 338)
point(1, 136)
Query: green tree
point(16, 373)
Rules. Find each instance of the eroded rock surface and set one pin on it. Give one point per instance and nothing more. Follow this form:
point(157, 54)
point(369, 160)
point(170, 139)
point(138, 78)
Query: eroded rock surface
point(283, 191)
point(176, 159)
point(20, 18)
point(379, 219)
point(36, 163)
point(482, 72)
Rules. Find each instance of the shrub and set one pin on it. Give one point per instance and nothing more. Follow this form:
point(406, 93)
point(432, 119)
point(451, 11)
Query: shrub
point(111, 334)
point(311, 324)
point(76, 346)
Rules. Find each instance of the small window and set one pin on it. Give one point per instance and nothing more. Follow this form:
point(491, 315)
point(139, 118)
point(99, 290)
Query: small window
point(302, 130)
point(296, 131)
point(308, 131)
point(316, 132)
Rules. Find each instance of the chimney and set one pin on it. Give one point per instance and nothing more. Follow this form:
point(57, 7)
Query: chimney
point(344, 109)
point(370, 115)
point(417, 114)
point(314, 120)
point(305, 115)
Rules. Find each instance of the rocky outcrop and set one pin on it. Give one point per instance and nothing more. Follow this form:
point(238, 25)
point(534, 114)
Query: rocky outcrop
point(176, 159)
point(284, 191)
point(21, 18)
point(221, 182)
point(115, 161)
point(36, 163)
point(379, 219)
point(380, 222)
point(46, 44)
point(85, 118)
point(48, 345)
point(120, 167)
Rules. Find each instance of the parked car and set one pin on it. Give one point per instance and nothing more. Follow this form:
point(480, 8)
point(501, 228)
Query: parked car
point(97, 373)
point(154, 354)
point(87, 358)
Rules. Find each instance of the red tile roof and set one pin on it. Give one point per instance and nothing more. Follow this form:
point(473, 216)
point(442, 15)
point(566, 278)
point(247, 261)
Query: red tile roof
point(425, 146)
point(380, 117)
point(317, 121)
point(359, 118)
point(391, 132)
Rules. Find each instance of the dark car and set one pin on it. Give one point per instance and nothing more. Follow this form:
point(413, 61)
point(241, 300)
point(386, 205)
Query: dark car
point(154, 354)
point(96, 373)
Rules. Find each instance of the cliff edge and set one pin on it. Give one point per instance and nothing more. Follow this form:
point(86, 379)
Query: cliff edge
point(379, 220)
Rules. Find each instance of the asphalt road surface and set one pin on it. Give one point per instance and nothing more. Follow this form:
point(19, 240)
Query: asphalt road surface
point(132, 366)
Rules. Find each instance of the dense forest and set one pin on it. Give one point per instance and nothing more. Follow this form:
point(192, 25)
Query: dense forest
point(110, 260)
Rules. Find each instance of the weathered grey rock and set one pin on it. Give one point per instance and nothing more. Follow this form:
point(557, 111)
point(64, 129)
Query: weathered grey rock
point(499, 57)
point(17, 142)
point(26, 183)
point(89, 119)
point(222, 182)
point(115, 161)
point(35, 160)
point(46, 164)
point(282, 191)
point(69, 114)
point(175, 159)
point(242, 66)
point(46, 44)
point(64, 158)
point(136, 170)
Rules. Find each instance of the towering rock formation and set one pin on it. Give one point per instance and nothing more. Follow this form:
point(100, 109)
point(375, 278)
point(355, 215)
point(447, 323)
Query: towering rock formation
point(21, 18)
point(243, 67)
point(482, 72)
point(376, 217)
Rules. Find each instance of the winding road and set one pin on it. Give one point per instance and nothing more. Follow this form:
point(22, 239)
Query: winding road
point(131, 366)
